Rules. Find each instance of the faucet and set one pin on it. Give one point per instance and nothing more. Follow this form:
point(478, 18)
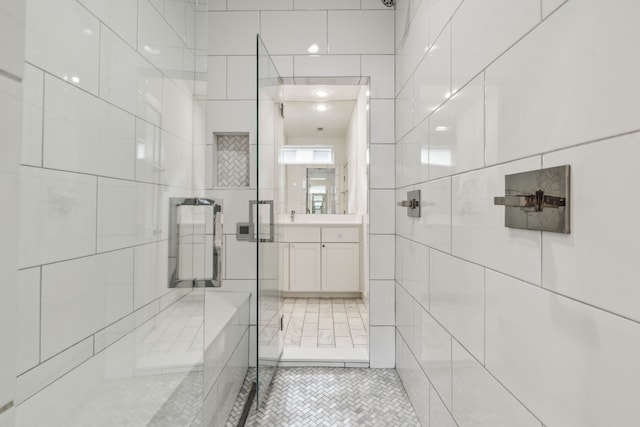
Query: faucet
point(292, 215)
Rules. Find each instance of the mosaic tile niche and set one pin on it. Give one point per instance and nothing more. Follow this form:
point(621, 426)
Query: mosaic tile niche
point(232, 160)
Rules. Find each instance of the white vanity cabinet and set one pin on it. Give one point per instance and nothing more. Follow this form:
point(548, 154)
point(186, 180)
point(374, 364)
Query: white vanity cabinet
point(323, 259)
point(304, 267)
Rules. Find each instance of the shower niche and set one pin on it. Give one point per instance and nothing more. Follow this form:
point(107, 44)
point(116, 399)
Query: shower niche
point(195, 243)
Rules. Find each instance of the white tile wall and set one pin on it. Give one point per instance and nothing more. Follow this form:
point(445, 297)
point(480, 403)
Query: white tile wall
point(84, 134)
point(117, 209)
point(120, 15)
point(99, 114)
point(32, 115)
point(413, 49)
point(44, 374)
point(404, 313)
point(439, 416)
point(479, 234)
point(479, 35)
point(412, 269)
point(414, 380)
point(326, 4)
point(383, 176)
point(63, 38)
point(326, 65)
point(362, 32)
point(381, 70)
point(596, 262)
point(566, 82)
point(547, 348)
point(12, 40)
point(294, 32)
point(486, 401)
point(549, 6)
point(58, 219)
point(432, 349)
point(382, 347)
point(74, 307)
point(241, 77)
point(381, 257)
point(432, 78)
point(28, 350)
point(150, 273)
point(157, 41)
point(457, 299)
point(381, 121)
point(433, 227)
point(127, 79)
point(440, 11)
point(381, 302)
point(456, 132)
point(381, 211)
point(412, 156)
point(559, 303)
point(233, 33)
point(259, 4)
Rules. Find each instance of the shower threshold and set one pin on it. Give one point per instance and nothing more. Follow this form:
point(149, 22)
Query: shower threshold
point(326, 357)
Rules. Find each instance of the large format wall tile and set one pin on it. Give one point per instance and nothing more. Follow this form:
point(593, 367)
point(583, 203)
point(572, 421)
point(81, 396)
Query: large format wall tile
point(412, 269)
point(119, 15)
point(361, 32)
point(128, 80)
point(479, 234)
point(28, 350)
point(58, 219)
point(596, 263)
point(537, 74)
point(158, 42)
point(233, 33)
point(457, 299)
point(74, 307)
point(63, 38)
point(548, 349)
point(456, 132)
point(480, 34)
point(433, 227)
point(117, 204)
point(432, 78)
point(432, 348)
point(294, 32)
point(32, 115)
point(84, 134)
point(12, 37)
point(484, 402)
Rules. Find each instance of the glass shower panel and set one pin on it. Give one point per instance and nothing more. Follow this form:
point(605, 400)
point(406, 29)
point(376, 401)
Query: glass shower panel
point(268, 209)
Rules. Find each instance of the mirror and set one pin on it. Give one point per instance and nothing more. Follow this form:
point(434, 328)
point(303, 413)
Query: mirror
point(321, 191)
point(325, 152)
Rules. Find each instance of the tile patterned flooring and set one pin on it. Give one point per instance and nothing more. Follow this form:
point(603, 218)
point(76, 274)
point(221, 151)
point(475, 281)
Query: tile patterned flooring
point(329, 397)
point(325, 323)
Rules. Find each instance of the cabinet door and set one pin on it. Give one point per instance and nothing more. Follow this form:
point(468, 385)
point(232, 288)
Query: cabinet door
point(304, 267)
point(341, 267)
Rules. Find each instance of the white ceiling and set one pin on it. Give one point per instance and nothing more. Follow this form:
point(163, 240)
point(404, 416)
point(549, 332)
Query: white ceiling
point(301, 119)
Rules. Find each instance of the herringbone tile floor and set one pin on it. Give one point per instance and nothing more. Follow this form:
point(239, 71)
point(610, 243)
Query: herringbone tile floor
point(333, 397)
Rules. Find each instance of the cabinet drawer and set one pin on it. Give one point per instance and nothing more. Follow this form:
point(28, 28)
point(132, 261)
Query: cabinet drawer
point(341, 234)
point(302, 234)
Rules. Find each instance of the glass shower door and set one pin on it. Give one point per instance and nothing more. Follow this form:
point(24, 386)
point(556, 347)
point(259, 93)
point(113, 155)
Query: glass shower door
point(266, 214)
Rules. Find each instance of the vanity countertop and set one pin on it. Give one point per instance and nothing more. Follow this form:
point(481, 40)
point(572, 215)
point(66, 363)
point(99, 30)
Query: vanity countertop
point(322, 220)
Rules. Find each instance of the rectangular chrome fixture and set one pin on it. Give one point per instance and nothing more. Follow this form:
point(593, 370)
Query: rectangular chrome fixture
point(412, 203)
point(537, 200)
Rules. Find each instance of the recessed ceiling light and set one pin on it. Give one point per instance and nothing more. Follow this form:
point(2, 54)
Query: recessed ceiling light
point(75, 79)
point(322, 93)
point(442, 128)
point(321, 107)
point(314, 48)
